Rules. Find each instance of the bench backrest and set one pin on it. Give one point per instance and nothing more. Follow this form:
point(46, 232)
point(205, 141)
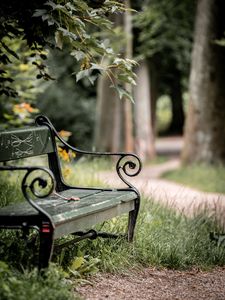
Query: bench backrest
point(31, 141)
point(25, 142)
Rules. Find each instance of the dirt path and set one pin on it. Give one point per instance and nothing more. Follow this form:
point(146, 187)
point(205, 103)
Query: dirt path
point(164, 284)
point(153, 284)
point(176, 196)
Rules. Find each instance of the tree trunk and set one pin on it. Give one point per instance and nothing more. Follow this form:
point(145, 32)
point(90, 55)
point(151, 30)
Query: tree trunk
point(144, 141)
point(128, 109)
point(108, 117)
point(205, 126)
point(114, 118)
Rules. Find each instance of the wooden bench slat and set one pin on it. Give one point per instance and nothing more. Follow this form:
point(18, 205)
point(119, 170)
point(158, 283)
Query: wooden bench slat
point(60, 209)
point(91, 204)
point(85, 222)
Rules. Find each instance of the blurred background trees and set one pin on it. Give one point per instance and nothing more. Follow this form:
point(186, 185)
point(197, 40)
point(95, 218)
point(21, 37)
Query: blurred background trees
point(160, 35)
point(205, 127)
point(68, 104)
point(164, 40)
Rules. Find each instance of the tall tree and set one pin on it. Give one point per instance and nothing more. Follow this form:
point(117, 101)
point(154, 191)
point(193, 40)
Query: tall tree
point(144, 135)
point(108, 119)
point(114, 118)
point(205, 127)
point(128, 109)
point(165, 39)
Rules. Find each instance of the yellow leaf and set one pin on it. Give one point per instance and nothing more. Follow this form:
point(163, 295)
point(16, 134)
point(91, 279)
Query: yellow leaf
point(77, 263)
point(23, 67)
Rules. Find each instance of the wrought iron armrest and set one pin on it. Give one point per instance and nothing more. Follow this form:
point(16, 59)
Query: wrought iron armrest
point(32, 185)
point(127, 164)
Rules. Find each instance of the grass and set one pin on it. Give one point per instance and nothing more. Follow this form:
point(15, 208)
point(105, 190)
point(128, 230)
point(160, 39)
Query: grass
point(203, 177)
point(157, 160)
point(162, 239)
point(85, 172)
point(15, 285)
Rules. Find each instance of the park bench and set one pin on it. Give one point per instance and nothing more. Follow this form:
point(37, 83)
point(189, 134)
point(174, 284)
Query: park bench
point(53, 207)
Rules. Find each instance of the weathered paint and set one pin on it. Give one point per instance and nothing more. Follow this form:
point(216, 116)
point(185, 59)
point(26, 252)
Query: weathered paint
point(25, 142)
point(63, 211)
point(96, 217)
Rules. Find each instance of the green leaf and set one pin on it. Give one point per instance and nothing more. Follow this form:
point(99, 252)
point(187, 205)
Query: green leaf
point(67, 33)
point(82, 74)
point(77, 263)
point(78, 54)
point(123, 93)
point(39, 12)
point(59, 39)
point(9, 50)
point(97, 67)
point(92, 79)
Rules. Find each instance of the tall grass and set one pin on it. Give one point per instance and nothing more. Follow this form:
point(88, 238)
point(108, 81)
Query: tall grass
point(15, 285)
point(208, 178)
point(162, 239)
point(84, 172)
point(19, 278)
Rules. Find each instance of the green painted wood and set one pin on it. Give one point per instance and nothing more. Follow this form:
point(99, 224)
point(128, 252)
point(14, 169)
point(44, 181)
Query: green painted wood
point(25, 142)
point(63, 211)
point(97, 217)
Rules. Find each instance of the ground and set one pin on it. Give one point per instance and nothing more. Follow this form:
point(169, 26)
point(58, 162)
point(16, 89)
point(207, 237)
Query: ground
point(154, 284)
point(157, 285)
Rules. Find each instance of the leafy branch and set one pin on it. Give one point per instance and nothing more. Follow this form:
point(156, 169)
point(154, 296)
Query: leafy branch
point(66, 24)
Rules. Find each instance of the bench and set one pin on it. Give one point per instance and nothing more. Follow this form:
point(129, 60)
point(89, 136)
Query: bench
point(53, 207)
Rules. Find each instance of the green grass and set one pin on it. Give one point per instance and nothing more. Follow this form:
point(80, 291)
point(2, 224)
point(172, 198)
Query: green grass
point(157, 160)
point(162, 239)
point(51, 285)
point(203, 177)
point(85, 172)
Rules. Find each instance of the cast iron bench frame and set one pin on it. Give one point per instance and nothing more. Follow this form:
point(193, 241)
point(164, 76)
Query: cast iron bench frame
point(36, 213)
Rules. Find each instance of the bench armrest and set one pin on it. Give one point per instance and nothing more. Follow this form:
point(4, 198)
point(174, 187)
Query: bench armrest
point(30, 182)
point(128, 164)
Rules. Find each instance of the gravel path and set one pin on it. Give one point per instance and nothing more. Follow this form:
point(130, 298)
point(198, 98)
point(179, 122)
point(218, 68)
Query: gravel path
point(176, 196)
point(155, 284)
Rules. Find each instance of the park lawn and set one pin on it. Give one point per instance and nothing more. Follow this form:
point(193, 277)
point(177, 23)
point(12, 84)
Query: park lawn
point(207, 178)
point(163, 239)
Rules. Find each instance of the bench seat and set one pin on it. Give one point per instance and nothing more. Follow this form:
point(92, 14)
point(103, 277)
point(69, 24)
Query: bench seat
point(93, 205)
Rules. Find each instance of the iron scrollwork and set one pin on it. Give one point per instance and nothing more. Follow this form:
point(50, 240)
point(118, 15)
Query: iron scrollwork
point(39, 187)
point(35, 185)
point(128, 164)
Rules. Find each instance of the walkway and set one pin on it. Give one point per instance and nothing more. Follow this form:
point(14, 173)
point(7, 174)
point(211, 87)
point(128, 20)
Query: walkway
point(154, 284)
point(183, 199)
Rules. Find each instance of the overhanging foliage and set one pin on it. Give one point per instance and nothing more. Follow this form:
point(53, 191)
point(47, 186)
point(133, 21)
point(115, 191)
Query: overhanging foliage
point(75, 24)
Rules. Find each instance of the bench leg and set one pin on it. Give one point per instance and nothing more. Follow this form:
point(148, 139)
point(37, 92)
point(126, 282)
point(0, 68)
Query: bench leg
point(132, 221)
point(46, 245)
